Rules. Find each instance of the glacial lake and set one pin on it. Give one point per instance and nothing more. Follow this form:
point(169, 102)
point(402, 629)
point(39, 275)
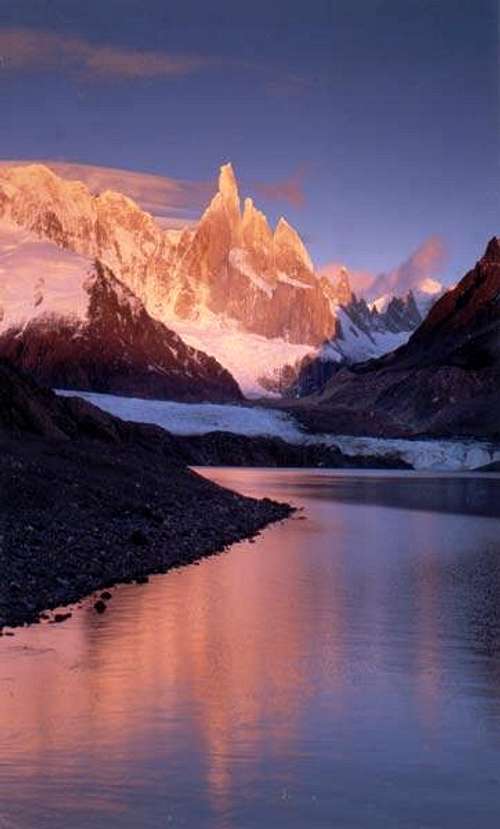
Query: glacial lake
point(341, 671)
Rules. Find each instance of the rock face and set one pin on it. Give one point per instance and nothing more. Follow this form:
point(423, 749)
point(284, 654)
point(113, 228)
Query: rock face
point(361, 332)
point(445, 380)
point(79, 327)
point(237, 266)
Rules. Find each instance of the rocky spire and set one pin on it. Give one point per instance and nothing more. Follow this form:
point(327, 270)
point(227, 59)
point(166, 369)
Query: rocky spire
point(228, 190)
point(286, 237)
point(343, 287)
point(255, 229)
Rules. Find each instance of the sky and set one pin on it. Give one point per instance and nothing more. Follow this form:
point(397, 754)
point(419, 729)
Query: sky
point(372, 125)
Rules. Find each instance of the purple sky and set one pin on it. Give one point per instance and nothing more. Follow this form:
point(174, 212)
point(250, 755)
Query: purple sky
point(371, 124)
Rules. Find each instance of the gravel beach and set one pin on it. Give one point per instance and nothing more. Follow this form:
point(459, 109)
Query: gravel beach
point(88, 501)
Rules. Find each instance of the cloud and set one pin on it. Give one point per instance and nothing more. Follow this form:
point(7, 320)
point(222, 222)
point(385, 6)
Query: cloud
point(177, 202)
point(425, 263)
point(22, 48)
point(420, 270)
point(289, 190)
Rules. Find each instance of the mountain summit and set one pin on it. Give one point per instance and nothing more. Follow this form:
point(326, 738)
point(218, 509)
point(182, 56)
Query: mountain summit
point(236, 266)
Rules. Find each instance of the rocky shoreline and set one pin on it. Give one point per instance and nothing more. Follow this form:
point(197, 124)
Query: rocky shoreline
point(80, 517)
point(88, 501)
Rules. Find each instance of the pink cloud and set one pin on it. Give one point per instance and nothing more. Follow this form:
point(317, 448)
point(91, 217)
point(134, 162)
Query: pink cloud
point(421, 269)
point(289, 190)
point(426, 262)
point(24, 48)
point(176, 201)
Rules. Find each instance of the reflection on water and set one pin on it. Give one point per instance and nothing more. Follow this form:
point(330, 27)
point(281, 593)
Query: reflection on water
point(344, 670)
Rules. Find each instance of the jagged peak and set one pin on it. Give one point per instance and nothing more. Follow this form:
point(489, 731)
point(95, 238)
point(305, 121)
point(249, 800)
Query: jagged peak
point(283, 226)
point(252, 213)
point(228, 186)
point(343, 286)
point(284, 230)
point(286, 235)
point(492, 252)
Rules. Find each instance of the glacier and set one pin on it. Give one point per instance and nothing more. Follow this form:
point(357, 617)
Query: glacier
point(259, 421)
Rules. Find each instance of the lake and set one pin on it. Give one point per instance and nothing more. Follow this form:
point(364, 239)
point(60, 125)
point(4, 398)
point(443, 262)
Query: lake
point(343, 671)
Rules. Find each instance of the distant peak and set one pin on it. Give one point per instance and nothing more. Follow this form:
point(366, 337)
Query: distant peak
point(343, 287)
point(430, 286)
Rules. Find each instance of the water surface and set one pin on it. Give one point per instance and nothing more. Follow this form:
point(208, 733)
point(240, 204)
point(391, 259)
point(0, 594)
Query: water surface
point(342, 671)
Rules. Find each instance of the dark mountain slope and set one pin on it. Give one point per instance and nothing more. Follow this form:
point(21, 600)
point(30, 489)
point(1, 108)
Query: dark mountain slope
point(116, 347)
point(444, 381)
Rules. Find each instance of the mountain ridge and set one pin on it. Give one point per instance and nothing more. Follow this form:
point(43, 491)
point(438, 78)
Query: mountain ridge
point(231, 272)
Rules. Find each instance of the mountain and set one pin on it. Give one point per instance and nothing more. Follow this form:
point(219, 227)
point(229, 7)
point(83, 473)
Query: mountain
point(231, 263)
point(231, 286)
point(444, 381)
point(264, 279)
point(362, 332)
point(71, 323)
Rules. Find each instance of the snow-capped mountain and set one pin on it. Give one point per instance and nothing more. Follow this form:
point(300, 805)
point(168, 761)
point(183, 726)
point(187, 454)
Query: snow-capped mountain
point(230, 286)
point(71, 323)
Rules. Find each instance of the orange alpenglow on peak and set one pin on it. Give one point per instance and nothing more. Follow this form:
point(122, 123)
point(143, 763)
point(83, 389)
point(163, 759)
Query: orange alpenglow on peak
point(228, 186)
point(286, 236)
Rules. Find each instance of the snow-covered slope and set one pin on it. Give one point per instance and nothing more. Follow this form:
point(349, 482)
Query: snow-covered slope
point(39, 279)
point(253, 360)
point(68, 321)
